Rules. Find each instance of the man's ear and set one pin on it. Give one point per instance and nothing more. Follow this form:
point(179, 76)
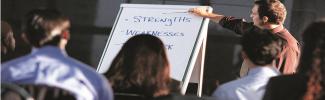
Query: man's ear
point(265, 19)
point(65, 35)
point(24, 37)
point(243, 54)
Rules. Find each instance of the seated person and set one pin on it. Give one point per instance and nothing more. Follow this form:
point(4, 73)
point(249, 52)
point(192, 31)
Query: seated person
point(260, 48)
point(141, 70)
point(308, 83)
point(48, 63)
point(7, 41)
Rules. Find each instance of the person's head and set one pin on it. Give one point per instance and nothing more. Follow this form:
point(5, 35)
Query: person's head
point(7, 38)
point(141, 64)
point(261, 47)
point(266, 12)
point(313, 60)
point(46, 27)
point(313, 40)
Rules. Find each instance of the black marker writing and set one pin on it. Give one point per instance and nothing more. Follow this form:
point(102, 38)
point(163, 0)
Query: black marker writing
point(154, 33)
point(167, 21)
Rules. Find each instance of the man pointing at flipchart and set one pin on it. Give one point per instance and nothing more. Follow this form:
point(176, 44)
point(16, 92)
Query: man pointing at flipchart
point(266, 14)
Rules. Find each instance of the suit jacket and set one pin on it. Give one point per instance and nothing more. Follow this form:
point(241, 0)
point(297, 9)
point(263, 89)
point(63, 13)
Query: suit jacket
point(286, 87)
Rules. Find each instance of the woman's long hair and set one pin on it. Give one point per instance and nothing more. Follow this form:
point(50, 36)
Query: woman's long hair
point(313, 60)
point(141, 67)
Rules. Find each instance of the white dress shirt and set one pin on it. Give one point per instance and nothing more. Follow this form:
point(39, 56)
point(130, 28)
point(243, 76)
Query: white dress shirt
point(250, 87)
point(51, 66)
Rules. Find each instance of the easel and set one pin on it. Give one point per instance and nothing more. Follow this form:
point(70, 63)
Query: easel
point(192, 59)
point(195, 75)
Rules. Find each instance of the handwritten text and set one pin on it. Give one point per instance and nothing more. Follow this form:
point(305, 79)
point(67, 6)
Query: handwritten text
point(167, 21)
point(154, 33)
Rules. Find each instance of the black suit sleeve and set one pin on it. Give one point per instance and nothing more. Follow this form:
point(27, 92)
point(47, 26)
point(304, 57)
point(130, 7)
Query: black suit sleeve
point(268, 95)
point(239, 26)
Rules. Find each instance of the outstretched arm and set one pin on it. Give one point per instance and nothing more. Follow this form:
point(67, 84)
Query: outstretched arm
point(239, 26)
point(199, 11)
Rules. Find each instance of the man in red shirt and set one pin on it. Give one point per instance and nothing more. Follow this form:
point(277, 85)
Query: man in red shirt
point(266, 14)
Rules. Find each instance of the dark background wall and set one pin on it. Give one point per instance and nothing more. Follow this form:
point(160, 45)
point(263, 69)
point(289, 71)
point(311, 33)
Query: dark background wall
point(92, 21)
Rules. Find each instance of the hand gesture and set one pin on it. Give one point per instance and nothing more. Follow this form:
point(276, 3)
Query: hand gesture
point(200, 11)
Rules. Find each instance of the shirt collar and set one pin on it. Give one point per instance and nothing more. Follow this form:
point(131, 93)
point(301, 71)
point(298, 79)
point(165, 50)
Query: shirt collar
point(34, 50)
point(277, 29)
point(263, 70)
point(49, 50)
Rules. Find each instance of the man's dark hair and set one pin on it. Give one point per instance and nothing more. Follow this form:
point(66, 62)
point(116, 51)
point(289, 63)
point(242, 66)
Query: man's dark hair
point(261, 46)
point(39, 24)
point(273, 9)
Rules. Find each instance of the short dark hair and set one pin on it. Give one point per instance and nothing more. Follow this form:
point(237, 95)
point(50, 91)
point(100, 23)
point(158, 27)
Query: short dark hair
point(141, 66)
point(261, 46)
point(39, 23)
point(273, 9)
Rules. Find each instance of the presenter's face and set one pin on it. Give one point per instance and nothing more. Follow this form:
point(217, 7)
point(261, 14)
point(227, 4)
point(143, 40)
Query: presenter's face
point(255, 17)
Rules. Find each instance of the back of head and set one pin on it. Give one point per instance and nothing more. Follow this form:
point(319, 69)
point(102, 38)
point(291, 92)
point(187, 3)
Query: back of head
point(141, 67)
point(261, 46)
point(273, 9)
point(313, 45)
point(7, 38)
point(42, 27)
point(313, 60)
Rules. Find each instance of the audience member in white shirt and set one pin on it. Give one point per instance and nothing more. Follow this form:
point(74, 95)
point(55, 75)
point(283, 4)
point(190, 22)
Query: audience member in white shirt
point(261, 48)
point(48, 64)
